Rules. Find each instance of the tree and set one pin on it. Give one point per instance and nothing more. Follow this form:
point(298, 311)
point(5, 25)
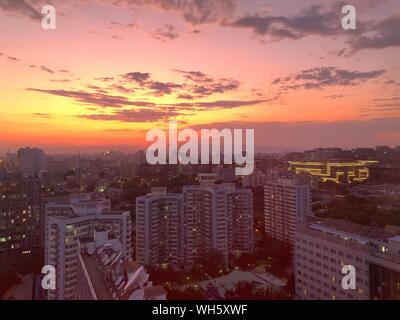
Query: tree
point(244, 290)
point(214, 264)
point(274, 254)
point(162, 275)
point(8, 277)
point(90, 188)
point(69, 173)
point(290, 285)
point(189, 293)
point(113, 185)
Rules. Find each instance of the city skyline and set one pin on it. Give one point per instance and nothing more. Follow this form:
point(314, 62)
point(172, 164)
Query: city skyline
point(129, 150)
point(114, 227)
point(114, 69)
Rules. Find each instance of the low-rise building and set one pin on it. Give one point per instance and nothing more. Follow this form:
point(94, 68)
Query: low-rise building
point(106, 273)
point(322, 250)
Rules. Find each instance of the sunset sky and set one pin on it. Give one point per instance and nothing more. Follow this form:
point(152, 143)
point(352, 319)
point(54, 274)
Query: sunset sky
point(114, 69)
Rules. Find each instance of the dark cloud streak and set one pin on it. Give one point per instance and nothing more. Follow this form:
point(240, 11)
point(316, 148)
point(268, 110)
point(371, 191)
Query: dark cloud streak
point(20, 7)
point(321, 77)
point(166, 32)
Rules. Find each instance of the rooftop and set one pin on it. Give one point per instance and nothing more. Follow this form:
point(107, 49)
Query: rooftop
point(216, 287)
point(111, 275)
point(357, 229)
point(152, 292)
point(99, 285)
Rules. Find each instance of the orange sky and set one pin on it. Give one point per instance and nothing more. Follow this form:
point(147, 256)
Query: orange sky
point(114, 69)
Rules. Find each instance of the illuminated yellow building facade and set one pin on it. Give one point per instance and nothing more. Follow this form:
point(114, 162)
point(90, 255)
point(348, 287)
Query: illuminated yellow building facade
point(338, 171)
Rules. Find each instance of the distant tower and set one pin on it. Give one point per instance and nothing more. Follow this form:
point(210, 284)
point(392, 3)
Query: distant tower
point(31, 161)
point(79, 170)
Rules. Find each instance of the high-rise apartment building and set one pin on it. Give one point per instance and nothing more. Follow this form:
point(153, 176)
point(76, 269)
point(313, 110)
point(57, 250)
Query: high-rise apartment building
point(31, 161)
point(20, 217)
point(159, 229)
point(179, 229)
point(69, 221)
point(241, 220)
point(207, 221)
point(323, 248)
point(287, 203)
point(254, 180)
